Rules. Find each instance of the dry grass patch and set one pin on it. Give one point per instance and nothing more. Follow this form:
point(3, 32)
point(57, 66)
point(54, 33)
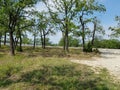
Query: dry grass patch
point(52, 72)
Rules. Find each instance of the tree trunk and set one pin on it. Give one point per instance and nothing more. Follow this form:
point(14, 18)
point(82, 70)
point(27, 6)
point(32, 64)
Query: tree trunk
point(21, 44)
point(20, 47)
point(83, 37)
point(93, 36)
point(44, 39)
point(34, 42)
point(83, 32)
point(66, 30)
point(11, 28)
point(0, 39)
point(12, 50)
point(41, 35)
point(16, 42)
point(5, 39)
point(67, 40)
point(18, 37)
point(44, 42)
point(63, 35)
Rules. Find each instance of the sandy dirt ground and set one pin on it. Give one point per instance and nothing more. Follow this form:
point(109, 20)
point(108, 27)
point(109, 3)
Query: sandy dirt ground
point(110, 59)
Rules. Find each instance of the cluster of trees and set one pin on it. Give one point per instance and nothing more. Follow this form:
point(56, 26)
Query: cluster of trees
point(14, 19)
point(116, 30)
point(72, 17)
point(107, 43)
point(73, 42)
point(18, 18)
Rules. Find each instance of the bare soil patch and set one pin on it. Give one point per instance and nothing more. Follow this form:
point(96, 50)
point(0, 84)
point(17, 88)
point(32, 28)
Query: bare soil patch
point(110, 59)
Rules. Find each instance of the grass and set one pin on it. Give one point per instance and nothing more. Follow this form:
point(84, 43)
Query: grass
point(50, 69)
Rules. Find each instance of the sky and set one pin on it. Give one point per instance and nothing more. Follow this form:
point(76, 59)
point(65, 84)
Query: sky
point(107, 18)
point(112, 10)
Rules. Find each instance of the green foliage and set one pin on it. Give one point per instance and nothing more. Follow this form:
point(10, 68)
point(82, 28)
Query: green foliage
point(19, 49)
point(88, 47)
point(9, 69)
point(112, 43)
point(48, 42)
point(27, 40)
point(84, 9)
point(13, 12)
point(90, 6)
point(116, 30)
point(73, 42)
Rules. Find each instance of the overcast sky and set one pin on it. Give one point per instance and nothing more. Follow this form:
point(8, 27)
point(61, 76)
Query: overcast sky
point(107, 18)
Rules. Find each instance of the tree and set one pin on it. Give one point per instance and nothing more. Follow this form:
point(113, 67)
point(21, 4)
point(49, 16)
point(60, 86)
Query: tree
point(73, 42)
point(2, 32)
point(0, 38)
point(3, 23)
point(96, 28)
point(83, 9)
point(44, 26)
point(62, 12)
point(111, 43)
point(26, 40)
point(14, 10)
point(23, 26)
point(32, 28)
point(116, 30)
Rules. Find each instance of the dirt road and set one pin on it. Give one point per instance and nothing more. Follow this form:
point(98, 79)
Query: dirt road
point(110, 59)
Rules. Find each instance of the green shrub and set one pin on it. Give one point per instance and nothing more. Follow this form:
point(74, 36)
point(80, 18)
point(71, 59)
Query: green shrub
point(19, 49)
point(8, 70)
point(96, 50)
point(88, 47)
point(111, 43)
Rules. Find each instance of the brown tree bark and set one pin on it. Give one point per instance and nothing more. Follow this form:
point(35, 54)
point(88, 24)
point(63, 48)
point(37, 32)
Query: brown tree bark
point(34, 42)
point(63, 35)
point(66, 30)
point(12, 24)
point(43, 38)
point(83, 32)
point(0, 39)
point(20, 46)
point(12, 50)
point(93, 36)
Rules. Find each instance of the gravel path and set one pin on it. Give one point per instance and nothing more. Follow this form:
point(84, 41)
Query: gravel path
point(110, 59)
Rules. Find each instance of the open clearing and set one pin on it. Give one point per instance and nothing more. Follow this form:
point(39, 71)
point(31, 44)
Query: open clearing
point(109, 59)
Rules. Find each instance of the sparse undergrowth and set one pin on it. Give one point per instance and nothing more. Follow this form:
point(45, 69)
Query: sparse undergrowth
point(26, 72)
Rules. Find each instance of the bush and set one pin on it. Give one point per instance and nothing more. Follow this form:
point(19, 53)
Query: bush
point(111, 43)
point(19, 49)
point(73, 42)
point(96, 50)
point(88, 47)
point(8, 70)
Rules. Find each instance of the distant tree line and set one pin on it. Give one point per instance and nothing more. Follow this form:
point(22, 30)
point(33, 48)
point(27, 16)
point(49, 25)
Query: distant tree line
point(110, 43)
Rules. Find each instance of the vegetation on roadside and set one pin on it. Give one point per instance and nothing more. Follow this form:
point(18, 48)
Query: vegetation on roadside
point(111, 43)
point(31, 70)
